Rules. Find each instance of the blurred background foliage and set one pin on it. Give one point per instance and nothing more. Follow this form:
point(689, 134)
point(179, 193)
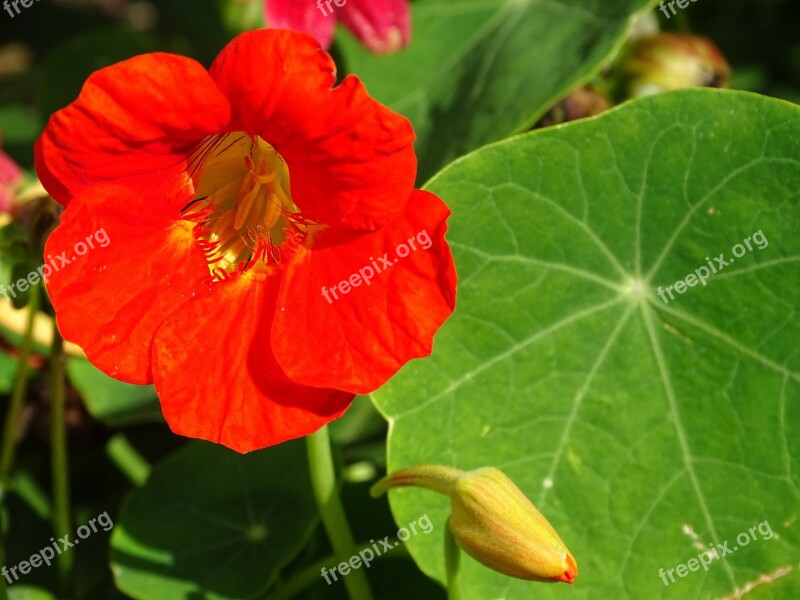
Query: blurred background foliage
point(116, 430)
point(48, 50)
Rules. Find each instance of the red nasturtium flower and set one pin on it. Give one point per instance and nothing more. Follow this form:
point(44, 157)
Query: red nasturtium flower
point(211, 284)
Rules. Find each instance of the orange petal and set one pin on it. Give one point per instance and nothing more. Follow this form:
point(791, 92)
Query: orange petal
point(218, 380)
point(355, 340)
point(111, 300)
point(133, 123)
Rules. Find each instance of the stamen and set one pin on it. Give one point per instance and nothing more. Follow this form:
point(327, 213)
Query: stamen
point(243, 210)
point(247, 198)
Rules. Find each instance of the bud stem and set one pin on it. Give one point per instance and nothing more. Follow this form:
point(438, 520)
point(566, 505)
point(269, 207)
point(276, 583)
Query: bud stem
point(432, 477)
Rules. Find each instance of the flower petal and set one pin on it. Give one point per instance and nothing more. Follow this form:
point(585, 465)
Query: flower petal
point(111, 300)
point(300, 16)
point(381, 25)
point(133, 124)
point(351, 159)
point(357, 338)
point(217, 378)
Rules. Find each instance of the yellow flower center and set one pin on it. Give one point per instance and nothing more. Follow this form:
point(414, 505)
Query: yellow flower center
point(242, 206)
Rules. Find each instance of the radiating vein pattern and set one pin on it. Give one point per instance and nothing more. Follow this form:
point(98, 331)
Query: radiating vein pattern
point(630, 421)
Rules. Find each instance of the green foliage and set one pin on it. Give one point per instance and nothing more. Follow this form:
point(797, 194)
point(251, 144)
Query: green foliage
point(115, 403)
point(17, 259)
point(476, 72)
point(214, 524)
point(643, 429)
point(25, 592)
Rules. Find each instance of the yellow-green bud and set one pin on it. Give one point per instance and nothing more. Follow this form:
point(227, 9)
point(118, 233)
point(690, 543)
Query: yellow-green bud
point(670, 61)
point(493, 521)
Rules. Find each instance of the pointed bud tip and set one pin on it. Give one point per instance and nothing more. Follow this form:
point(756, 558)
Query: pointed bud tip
point(571, 571)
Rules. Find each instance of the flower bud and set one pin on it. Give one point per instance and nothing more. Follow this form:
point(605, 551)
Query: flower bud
point(585, 101)
point(494, 522)
point(670, 61)
point(381, 25)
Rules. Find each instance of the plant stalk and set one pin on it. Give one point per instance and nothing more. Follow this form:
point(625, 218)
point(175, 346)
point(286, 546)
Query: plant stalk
point(19, 391)
point(62, 522)
point(326, 493)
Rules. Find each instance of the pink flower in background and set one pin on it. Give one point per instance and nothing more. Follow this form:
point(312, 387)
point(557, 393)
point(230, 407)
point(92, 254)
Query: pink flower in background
point(381, 25)
point(10, 178)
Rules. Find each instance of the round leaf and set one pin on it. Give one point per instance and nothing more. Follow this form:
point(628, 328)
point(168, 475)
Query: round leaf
point(214, 524)
point(644, 430)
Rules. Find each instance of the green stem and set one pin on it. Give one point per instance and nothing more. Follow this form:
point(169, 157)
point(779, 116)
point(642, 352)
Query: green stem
point(300, 581)
point(323, 480)
point(58, 437)
point(18, 392)
point(433, 477)
point(128, 459)
point(15, 405)
point(452, 558)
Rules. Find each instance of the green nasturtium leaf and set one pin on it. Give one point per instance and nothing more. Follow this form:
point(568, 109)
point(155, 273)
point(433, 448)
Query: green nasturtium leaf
point(643, 430)
point(115, 403)
point(213, 524)
point(477, 71)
